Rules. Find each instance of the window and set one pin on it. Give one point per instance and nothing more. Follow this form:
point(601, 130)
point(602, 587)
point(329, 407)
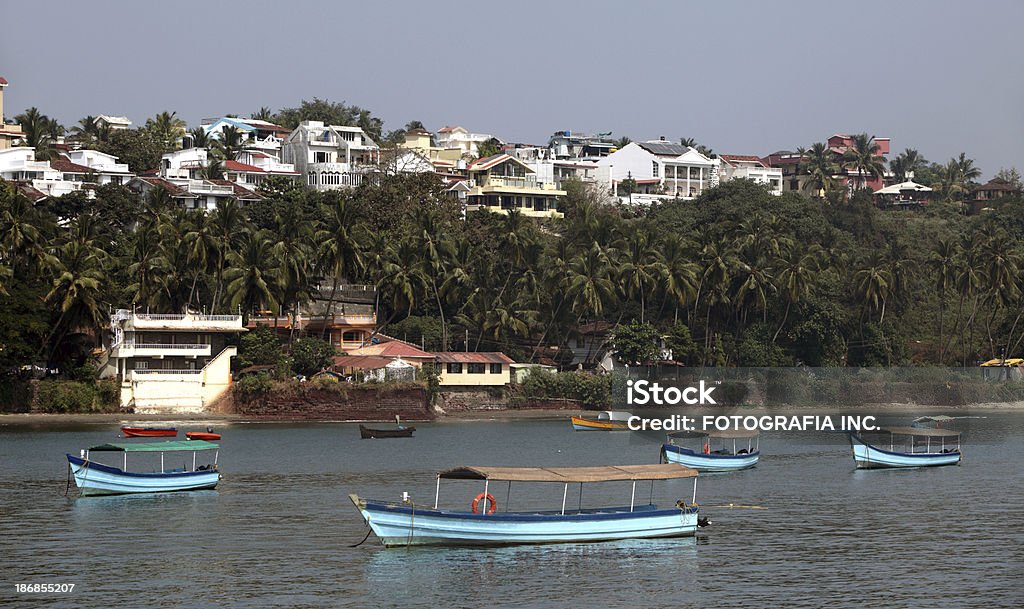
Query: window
point(321, 157)
point(475, 368)
point(454, 368)
point(654, 168)
point(495, 368)
point(141, 365)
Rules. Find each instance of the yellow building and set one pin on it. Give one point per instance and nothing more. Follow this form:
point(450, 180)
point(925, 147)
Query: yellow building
point(8, 133)
point(474, 369)
point(503, 183)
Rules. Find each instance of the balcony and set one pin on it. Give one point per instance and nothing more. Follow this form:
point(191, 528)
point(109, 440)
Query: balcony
point(202, 187)
point(161, 349)
point(173, 375)
point(206, 323)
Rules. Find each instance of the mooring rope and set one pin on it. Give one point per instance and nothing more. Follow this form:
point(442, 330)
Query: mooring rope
point(363, 541)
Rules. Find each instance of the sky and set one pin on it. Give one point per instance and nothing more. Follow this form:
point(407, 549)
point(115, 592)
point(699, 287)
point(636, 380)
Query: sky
point(742, 77)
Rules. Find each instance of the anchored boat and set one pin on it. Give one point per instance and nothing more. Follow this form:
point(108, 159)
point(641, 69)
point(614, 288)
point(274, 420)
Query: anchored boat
point(94, 478)
point(405, 523)
point(399, 431)
point(714, 451)
point(607, 420)
point(908, 447)
point(149, 432)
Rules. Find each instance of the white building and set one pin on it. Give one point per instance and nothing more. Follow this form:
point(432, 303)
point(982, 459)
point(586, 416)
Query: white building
point(171, 363)
point(257, 135)
point(114, 123)
point(191, 163)
point(748, 167)
point(458, 138)
point(660, 170)
point(195, 194)
point(330, 156)
point(72, 171)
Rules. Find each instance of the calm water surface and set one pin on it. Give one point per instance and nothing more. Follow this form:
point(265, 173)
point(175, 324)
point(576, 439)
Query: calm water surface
point(277, 531)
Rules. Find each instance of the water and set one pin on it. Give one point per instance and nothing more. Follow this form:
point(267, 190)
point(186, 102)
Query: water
point(277, 531)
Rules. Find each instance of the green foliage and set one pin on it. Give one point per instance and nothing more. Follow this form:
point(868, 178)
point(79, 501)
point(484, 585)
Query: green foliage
point(488, 148)
point(419, 330)
point(252, 386)
point(635, 343)
point(139, 148)
point(680, 342)
point(311, 355)
point(756, 350)
point(259, 347)
point(331, 113)
point(591, 390)
point(55, 396)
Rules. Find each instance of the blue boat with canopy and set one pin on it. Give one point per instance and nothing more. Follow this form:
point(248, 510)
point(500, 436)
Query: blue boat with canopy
point(405, 523)
point(95, 478)
point(908, 447)
point(713, 451)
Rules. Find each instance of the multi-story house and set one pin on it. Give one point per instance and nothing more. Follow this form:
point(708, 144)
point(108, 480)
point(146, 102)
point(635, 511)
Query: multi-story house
point(659, 169)
point(195, 194)
point(257, 135)
point(10, 133)
point(192, 163)
point(330, 156)
point(501, 183)
point(457, 138)
point(114, 123)
point(569, 145)
point(344, 314)
point(748, 167)
point(789, 163)
point(171, 363)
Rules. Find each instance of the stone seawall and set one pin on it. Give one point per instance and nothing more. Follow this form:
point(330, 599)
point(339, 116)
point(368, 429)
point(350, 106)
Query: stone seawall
point(347, 404)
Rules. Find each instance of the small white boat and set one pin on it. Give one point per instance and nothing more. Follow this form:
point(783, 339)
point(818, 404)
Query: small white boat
point(713, 451)
point(908, 447)
point(405, 523)
point(95, 478)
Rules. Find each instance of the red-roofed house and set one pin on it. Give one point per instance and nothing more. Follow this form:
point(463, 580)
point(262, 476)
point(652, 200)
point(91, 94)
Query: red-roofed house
point(501, 183)
point(475, 369)
point(749, 167)
point(457, 138)
point(195, 194)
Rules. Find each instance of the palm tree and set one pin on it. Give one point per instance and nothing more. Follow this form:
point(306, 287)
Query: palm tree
point(167, 128)
point(294, 255)
point(907, 164)
point(24, 232)
point(213, 170)
point(863, 158)
point(872, 285)
point(943, 263)
point(227, 227)
point(252, 275)
point(338, 247)
point(200, 138)
point(41, 131)
point(681, 273)
point(89, 132)
point(589, 285)
point(818, 163)
point(229, 143)
point(263, 114)
point(797, 278)
point(640, 268)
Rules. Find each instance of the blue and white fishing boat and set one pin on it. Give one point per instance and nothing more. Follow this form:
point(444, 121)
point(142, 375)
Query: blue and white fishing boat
point(716, 451)
point(908, 447)
point(95, 478)
point(405, 523)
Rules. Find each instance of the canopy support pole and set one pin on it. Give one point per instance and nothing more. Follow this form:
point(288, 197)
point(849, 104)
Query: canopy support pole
point(161, 463)
point(508, 495)
point(565, 494)
point(579, 508)
point(694, 499)
point(193, 460)
point(651, 500)
point(437, 491)
point(632, 496)
point(125, 461)
point(486, 484)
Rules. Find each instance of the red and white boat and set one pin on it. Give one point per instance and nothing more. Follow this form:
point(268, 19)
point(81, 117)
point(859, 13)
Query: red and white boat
point(149, 432)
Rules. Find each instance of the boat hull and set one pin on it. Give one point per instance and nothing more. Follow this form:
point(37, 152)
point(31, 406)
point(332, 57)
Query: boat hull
point(202, 435)
point(368, 432)
point(710, 462)
point(149, 432)
point(581, 424)
point(398, 524)
point(867, 456)
point(98, 479)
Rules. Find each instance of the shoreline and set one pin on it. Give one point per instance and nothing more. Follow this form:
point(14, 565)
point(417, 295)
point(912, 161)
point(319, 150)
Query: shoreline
point(7, 419)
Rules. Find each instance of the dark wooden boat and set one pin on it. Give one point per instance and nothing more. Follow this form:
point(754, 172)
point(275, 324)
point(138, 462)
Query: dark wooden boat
point(149, 432)
point(395, 432)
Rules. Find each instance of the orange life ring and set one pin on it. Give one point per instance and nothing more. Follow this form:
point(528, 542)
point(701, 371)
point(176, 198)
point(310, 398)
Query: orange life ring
point(490, 498)
point(707, 448)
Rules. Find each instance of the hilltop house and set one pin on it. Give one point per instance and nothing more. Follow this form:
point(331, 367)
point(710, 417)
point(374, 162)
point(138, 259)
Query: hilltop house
point(330, 156)
point(748, 167)
point(195, 194)
point(192, 163)
point(72, 171)
point(994, 189)
point(658, 169)
point(458, 138)
point(793, 180)
point(170, 362)
point(114, 123)
point(503, 183)
point(257, 135)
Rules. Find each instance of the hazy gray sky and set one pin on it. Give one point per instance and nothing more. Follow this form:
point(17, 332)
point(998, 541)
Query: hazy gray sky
point(741, 77)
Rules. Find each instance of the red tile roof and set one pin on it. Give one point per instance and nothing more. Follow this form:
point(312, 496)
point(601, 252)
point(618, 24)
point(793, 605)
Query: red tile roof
point(176, 191)
point(494, 357)
point(231, 165)
point(241, 192)
point(741, 157)
point(361, 362)
point(29, 191)
point(393, 349)
point(65, 165)
point(3, 81)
